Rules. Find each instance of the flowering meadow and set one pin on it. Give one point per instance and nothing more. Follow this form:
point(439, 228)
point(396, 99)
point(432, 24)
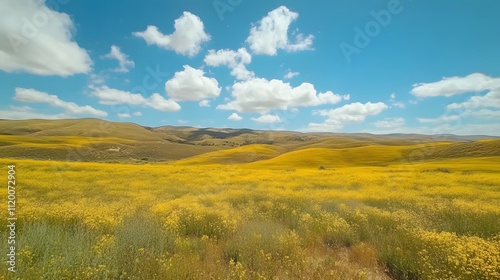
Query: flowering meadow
point(427, 220)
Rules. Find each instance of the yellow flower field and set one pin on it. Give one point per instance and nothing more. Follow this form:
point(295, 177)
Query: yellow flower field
point(432, 220)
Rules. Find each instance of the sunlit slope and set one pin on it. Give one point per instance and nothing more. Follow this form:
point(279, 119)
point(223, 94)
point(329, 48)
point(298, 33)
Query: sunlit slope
point(329, 158)
point(78, 127)
point(463, 165)
point(99, 140)
point(381, 155)
point(28, 141)
point(245, 154)
point(273, 156)
point(90, 140)
point(80, 148)
point(480, 148)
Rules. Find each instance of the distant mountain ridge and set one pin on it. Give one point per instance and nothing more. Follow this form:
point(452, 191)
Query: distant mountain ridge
point(100, 140)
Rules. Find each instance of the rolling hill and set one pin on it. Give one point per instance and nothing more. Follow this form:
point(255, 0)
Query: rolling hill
point(103, 141)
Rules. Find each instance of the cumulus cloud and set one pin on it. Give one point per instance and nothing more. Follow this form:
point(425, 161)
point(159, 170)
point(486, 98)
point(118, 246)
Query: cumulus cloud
point(191, 85)
point(138, 114)
point(123, 115)
point(70, 108)
point(96, 79)
point(261, 95)
point(396, 103)
point(22, 108)
point(440, 119)
point(267, 118)
point(350, 113)
point(187, 38)
point(481, 106)
point(124, 63)
point(204, 103)
point(26, 112)
point(235, 117)
point(492, 129)
point(291, 74)
point(37, 40)
point(111, 96)
point(475, 82)
point(482, 114)
point(271, 34)
point(489, 100)
point(390, 123)
point(235, 60)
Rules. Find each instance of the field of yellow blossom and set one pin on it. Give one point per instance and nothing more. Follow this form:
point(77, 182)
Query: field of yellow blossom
point(425, 220)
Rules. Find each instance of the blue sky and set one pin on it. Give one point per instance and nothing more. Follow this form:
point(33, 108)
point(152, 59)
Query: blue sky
point(383, 66)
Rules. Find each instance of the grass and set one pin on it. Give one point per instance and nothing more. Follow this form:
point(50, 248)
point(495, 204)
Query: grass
point(314, 157)
point(91, 139)
point(249, 153)
point(246, 221)
point(56, 142)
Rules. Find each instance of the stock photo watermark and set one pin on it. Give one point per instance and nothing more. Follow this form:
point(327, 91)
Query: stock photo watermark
point(363, 35)
point(11, 218)
point(31, 26)
point(223, 6)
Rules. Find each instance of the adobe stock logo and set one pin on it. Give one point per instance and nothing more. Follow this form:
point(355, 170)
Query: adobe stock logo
point(30, 27)
point(363, 37)
point(224, 6)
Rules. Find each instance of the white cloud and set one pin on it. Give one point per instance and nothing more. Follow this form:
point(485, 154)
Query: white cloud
point(390, 123)
point(70, 108)
point(156, 101)
point(20, 115)
point(138, 114)
point(350, 113)
point(191, 85)
point(492, 129)
point(261, 95)
point(291, 74)
point(204, 103)
point(483, 106)
point(489, 100)
point(235, 60)
point(111, 96)
point(182, 121)
point(475, 82)
point(123, 115)
point(482, 114)
point(26, 112)
point(124, 63)
point(37, 40)
point(96, 79)
point(464, 129)
point(267, 118)
point(396, 103)
point(271, 34)
point(187, 38)
point(440, 119)
point(324, 127)
point(235, 117)
point(22, 108)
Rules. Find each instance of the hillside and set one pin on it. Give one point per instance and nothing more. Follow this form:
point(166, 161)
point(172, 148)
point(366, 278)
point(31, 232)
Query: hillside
point(103, 141)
